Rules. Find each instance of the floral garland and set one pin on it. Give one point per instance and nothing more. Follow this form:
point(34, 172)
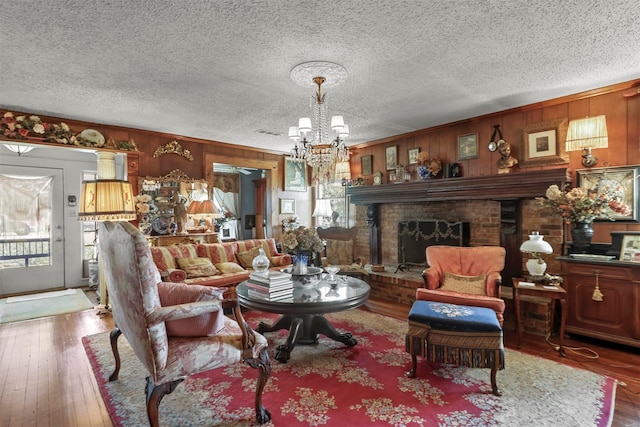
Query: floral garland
point(32, 127)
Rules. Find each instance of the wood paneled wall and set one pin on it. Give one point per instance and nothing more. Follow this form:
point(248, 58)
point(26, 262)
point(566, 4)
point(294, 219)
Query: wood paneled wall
point(623, 123)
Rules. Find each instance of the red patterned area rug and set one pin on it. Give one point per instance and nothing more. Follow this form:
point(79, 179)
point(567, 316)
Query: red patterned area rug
point(329, 384)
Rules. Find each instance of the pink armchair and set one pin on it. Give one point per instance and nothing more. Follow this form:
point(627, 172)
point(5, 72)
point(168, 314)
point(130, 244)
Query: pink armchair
point(464, 276)
point(136, 291)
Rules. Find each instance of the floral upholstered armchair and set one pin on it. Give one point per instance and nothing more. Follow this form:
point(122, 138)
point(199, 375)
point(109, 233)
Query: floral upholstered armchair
point(341, 250)
point(464, 276)
point(176, 330)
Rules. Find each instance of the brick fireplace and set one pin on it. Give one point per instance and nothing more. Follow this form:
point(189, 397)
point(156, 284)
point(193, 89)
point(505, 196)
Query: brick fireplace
point(500, 210)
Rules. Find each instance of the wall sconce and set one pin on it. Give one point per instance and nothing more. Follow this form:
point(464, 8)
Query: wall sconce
point(536, 246)
point(586, 134)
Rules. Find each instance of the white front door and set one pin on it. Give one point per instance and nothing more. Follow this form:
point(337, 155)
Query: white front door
point(31, 229)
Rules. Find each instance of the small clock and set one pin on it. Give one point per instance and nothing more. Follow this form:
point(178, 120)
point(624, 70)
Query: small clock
point(377, 178)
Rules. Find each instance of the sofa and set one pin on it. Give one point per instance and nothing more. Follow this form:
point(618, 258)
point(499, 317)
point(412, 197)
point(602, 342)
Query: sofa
point(214, 264)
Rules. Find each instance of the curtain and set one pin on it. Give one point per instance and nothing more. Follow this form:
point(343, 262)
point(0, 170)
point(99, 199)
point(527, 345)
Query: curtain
point(226, 194)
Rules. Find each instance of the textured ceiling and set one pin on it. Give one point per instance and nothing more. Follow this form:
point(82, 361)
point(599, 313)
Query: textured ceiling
point(219, 70)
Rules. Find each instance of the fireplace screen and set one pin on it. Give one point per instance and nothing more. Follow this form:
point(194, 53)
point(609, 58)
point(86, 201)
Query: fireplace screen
point(415, 236)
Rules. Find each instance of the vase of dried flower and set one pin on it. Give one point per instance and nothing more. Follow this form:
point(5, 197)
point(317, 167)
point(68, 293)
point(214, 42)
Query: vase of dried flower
point(581, 234)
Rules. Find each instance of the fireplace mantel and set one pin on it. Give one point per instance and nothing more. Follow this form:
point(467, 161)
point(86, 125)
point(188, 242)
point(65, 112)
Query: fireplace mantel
point(520, 185)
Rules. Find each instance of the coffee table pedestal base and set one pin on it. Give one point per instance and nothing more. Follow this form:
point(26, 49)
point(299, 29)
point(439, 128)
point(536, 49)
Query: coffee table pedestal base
point(304, 329)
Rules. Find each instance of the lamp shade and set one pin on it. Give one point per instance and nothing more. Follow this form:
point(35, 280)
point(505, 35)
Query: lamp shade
point(294, 133)
point(590, 132)
point(193, 207)
point(106, 200)
point(337, 122)
point(342, 171)
point(304, 124)
point(323, 208)
point(206, 207)
point(536, 244)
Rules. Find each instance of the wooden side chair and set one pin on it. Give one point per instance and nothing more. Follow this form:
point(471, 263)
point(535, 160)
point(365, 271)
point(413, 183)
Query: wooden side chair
point(174, 329)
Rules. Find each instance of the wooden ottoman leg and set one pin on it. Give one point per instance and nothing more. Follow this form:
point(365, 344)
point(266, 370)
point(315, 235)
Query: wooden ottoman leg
point(414, 366)
point(494, 383)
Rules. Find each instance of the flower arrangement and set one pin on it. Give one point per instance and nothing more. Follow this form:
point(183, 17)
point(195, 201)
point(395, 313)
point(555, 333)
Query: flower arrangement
point(32, 126)
point(302, 239)
point(21, 127)
point(581, 205)
point(143, 203)
point(432, 164)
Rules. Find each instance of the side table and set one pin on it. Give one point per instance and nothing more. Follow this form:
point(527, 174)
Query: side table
point(551, 291)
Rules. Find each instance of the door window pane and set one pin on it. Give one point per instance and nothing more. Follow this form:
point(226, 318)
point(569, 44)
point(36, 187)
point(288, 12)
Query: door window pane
point(25, 221)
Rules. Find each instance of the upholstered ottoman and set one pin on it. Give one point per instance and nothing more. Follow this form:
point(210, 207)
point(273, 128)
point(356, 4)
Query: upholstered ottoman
point(456, 335)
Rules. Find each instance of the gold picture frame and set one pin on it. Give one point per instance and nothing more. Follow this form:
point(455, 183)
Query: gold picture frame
point(366, 163)
point(287, 206)
point(391, 157)
point(295, 174)
point(624, 176)
point(412, 155)
point(468, 146)
point(543, 144)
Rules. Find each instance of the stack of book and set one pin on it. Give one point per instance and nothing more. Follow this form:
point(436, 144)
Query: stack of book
point(271, 285)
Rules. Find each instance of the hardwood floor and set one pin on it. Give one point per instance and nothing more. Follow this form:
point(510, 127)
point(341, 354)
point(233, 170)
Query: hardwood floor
point(46, 379)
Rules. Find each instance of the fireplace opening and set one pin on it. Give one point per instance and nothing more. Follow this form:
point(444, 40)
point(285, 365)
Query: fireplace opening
point(415, 236)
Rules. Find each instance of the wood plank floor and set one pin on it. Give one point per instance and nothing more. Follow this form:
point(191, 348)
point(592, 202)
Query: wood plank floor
point(46, 379)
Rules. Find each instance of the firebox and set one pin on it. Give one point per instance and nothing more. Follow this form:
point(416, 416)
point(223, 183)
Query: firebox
point(415, 236)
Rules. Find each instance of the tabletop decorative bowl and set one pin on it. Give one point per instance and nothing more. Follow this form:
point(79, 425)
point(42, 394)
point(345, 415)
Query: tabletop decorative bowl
point(308, 280)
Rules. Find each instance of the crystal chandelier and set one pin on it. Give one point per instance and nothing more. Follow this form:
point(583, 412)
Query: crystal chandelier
point(311, 137)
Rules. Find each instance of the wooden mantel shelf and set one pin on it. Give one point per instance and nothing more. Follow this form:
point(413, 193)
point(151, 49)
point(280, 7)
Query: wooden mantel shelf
point(521, 185)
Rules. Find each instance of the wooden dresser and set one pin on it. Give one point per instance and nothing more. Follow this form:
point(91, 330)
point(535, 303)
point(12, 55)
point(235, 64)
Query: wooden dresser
point(616, 317)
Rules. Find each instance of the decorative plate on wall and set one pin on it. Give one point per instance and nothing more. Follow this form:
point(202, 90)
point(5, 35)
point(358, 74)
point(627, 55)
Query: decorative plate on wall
point(92, 136)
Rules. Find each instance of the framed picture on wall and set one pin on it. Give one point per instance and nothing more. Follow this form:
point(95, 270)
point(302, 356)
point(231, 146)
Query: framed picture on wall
point(287, 206)
point(391, 157)
point(295, 174)
point(620, 181)
point(468, 146)
point(412, 155)
point(366, 164)
point(543, 143)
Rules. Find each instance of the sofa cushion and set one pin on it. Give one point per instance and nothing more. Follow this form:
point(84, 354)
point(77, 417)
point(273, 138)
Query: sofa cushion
point(197, 267)
point(164, 256)
point(339, 252)
point(245, 259)
point(218, 252)
point(466, 284)
point(229, 267)
point(207, 324)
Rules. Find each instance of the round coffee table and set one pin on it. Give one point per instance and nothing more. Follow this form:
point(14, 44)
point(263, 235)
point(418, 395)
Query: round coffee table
point(304, 314)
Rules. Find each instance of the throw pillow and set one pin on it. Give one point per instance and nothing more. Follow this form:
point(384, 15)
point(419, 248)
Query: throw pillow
point(246, 258)
point(475, 285)
point(229, 267)
point(196, 267)
point(339, 252)
point(204, 325)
